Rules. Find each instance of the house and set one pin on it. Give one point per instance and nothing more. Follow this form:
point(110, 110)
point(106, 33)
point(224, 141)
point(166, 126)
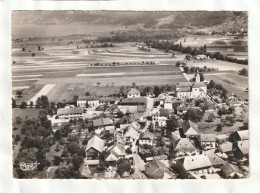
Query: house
point(240, 135)
point(118, 136)
point(207, 141)
point(137, 117)
point(70, 113)
point(215, 160)
point(230, 171)
point(183, 147)
point(131, 135)
point(146, 138)
point(221, 138)
point(181, 110)
point(100, 124)
point(93, 102)
point(158, 170)
point(193, 163)
point(115, 152)
point(200, 57)
point(189, 129)
point(200, 163)
point(175, 136)
point(132, 105)
point(107, 100)
point(233, 99)
point(82, 102)
point(133, 92)
point(177, 102)
point(110, 130)
point(88, 101)
point(160, 117)
point(241, 149)
point(94, 148)
point(166, 102)
point(226, 147)
point(192, 90)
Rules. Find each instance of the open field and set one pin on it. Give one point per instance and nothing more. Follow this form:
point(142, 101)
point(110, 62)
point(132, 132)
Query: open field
point(234, 83)
point(226, 45)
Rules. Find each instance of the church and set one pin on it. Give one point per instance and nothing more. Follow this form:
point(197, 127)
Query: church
point(192, 90)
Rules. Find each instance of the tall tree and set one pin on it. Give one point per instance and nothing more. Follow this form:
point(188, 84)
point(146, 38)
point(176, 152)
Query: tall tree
point(19, 93)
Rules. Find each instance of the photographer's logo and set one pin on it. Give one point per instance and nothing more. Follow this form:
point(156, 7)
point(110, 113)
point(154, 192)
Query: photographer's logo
point(28, 166)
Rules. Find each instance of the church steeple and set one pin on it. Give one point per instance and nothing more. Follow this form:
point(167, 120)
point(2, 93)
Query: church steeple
point(197, 77)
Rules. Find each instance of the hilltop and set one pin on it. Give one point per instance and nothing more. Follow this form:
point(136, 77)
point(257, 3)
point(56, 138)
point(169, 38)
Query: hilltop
point(158, 20)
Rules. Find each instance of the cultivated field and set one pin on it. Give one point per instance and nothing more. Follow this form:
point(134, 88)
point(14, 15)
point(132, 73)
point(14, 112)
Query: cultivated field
point(74, 74)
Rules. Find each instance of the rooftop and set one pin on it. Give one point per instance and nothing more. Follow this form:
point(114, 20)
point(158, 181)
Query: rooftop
point(97, 143)
point(183, 144)
point(67, 111)
point(102, 122)
point(207, 137)
point(189, 128)
point(133, 91)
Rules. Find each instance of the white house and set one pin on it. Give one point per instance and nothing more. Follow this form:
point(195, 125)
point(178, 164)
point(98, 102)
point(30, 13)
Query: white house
point(183, 147)
point(146, 138)
point(160, 116)
point(70, 113)
point(88, 101)
point(133, 92)
point(208, 141)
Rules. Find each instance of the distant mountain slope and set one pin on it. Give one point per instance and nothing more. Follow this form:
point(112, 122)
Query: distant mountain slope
point(167, 20)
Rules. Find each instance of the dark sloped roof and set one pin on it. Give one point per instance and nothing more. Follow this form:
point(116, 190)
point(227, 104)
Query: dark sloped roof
point(108, 99)
point(156, 169)
point(102, 122)
point(215, 160)
point(189, 127)
point(164, 112)
point(88, 98)
point(228, 168)
point(147, 135)
point(184, 84)
point(198, 84)
point(207, 137)
point(136, 100)
point(184, 89)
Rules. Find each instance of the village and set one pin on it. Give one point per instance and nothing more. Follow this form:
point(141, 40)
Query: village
point(156, 100)
point(139, 135)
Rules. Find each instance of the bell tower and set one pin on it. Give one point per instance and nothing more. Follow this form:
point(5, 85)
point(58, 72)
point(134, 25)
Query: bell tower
point(197, 77)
